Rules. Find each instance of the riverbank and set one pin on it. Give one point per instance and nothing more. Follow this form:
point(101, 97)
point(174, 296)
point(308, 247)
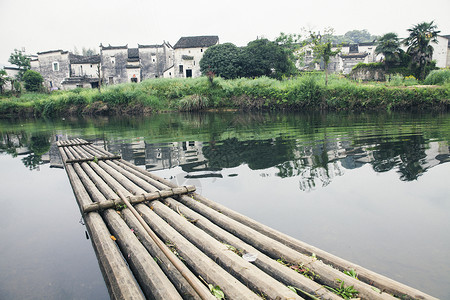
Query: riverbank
point(158, 95)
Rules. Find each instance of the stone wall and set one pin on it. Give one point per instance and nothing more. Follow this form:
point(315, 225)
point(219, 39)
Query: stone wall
point(368, 74)
point(54, 66)
point(114, 61)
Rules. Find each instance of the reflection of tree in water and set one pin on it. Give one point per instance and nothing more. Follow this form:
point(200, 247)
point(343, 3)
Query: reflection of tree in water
point(37, 144)
point(258, 154)
point(407, 153)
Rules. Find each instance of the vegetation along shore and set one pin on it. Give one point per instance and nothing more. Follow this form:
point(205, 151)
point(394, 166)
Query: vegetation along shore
point(307, 92)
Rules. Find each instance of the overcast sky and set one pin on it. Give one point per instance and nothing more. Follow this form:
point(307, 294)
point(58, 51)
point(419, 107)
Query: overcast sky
point(59, 24)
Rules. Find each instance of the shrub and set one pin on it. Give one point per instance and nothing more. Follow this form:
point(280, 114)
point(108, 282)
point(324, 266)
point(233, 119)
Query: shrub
point(439, 77)
point(193, 103)
point(33, 81)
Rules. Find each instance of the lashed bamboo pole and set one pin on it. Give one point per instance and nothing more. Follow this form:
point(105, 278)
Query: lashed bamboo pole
point(132, 172)
point(381, 282)
point(152, 280)
point(158, 195)
point(197, 260)
point(118, 277)
point(282, 273)
point(246, 272)
point(328, 275)
point(199, 289)
point(115, 175)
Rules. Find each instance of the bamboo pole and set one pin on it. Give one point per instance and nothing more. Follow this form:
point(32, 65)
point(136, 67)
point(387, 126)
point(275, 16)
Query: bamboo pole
point(118, 277)
point(246, 272)
point(195, 259)
point(282, 273)
point(152, 280)
point(173, 259)
point(158, 195)
point(381, 282)
point(328, 275)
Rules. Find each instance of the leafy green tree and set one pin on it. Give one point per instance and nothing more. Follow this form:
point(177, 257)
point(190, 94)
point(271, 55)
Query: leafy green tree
point(322, 50)
point(3, 80)
point(223, 60)
point(418, 42)
point(262, 57)
point(389, 46)
point(33, 81)
point(358, 36)
point(19, 59)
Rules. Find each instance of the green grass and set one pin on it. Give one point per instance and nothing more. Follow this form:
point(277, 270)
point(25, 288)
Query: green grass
point(307, 92)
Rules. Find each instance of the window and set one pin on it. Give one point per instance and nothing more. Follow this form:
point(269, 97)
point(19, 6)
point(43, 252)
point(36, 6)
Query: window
point(112, 60)
point(170, 73)
point(308, 53)
point(201, 50)
point(79, 86)
point(194, 62)
point(111, 80)
point(56, 66)
point(180, 69)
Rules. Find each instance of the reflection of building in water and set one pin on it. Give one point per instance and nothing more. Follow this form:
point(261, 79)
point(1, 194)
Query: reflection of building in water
point(159, 156)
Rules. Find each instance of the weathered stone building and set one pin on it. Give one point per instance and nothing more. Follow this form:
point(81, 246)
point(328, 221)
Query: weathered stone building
point(54, 66)
point(188, 52)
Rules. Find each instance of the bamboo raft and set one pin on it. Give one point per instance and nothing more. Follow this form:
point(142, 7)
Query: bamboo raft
point(156, 240)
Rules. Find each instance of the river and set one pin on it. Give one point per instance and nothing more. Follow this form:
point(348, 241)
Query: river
point(371, 188)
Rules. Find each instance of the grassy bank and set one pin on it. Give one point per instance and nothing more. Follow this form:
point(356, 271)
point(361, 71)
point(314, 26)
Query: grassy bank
point(156, 95)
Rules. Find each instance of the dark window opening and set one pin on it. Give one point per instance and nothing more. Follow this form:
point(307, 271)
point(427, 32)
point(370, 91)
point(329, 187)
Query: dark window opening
point(134, 79)
point(180, 69)
point(94, 85)
point(188, 73)
point(111, 80)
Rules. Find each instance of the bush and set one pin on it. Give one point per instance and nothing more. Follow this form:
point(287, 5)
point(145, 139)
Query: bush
point(438, 77)
point(33, 81)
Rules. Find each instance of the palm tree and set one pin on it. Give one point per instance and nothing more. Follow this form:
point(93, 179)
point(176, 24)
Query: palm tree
point(389, 46)
point(419, 47)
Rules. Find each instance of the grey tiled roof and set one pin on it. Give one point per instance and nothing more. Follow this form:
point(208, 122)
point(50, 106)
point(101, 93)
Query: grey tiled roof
point(149, 46)
point(196, 41)
point(133, 53)
point(109, 47)
point(51, 51)
point(80, 59)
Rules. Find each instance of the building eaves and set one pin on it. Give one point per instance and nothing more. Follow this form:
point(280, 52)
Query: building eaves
point(196, 41)
point(52, 51)
point(80, 59)
point(109, 47)
point(149, 46)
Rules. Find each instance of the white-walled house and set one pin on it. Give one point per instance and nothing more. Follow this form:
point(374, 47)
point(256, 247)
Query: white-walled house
point(188, 52)
point(441, 53)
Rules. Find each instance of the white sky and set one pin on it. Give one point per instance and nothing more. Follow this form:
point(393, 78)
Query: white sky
point(60, 24)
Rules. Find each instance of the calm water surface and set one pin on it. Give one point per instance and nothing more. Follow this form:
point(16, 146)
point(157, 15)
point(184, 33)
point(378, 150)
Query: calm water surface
point(373, 189)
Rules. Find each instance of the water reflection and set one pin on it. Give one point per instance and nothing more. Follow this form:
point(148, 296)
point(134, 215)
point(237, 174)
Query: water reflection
point(315, 148)
point(261, 165)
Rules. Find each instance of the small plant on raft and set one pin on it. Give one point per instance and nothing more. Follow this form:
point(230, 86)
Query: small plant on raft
point(348, 292)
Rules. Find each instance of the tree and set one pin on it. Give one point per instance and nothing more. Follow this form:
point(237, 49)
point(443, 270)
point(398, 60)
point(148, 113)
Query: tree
point(33, 81)
point(358, 36)
point(419, 47)
point(88, 51)
point(19, 59)
point(262, 57)
point(389, 46)
point(3, 80)
point(223, 60)
point(322, 50)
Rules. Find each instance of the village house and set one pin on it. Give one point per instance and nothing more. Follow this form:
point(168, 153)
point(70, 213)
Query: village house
point(121, 64)
point(188, 52)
